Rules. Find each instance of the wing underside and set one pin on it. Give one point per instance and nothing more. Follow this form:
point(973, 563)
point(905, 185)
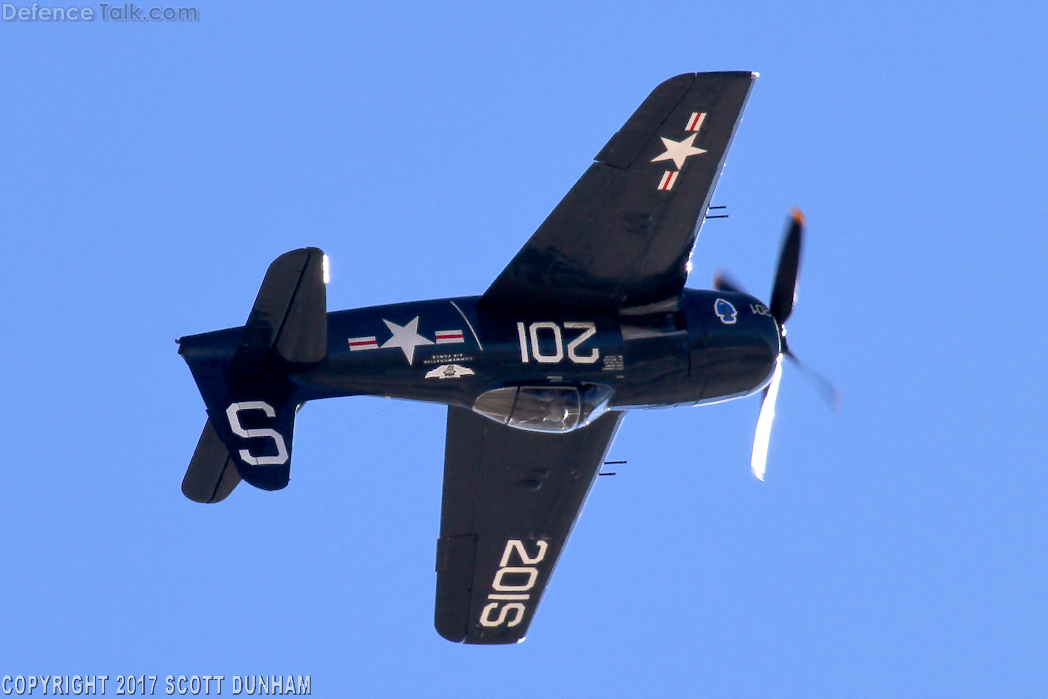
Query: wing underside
point(624, 233)
point(510, 500)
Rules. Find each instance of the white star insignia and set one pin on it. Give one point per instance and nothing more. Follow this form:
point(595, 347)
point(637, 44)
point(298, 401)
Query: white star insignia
point(405, 337)
point(678, 151)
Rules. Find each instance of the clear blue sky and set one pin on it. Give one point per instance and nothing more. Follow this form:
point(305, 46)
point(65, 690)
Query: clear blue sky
point(150, 172)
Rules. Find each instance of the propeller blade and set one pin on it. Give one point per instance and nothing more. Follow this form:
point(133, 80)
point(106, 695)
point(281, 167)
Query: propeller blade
point(826, 389)
point(784, 291)
point(722, 281)
point(759, 459)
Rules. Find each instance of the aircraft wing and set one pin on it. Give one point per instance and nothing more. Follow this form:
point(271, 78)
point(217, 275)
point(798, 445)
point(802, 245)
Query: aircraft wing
point(511, 498)
point(624, 233)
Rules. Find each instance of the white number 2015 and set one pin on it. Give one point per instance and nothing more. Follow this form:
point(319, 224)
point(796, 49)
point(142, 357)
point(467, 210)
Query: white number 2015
point(510, 596)
point(232, 413)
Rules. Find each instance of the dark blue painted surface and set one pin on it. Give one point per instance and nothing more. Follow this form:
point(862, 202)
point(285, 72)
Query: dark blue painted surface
point(685, 354)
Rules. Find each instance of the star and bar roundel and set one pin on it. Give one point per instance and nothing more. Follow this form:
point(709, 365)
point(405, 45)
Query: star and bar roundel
point(680, 151)
point(407, 338)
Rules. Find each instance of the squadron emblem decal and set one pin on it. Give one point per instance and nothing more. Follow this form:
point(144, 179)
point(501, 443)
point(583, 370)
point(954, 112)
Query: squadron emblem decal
point(725, 311)
point(449, 371)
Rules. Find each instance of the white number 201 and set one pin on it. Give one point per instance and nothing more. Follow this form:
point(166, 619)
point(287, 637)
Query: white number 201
point(532, 333)
point(234, 424)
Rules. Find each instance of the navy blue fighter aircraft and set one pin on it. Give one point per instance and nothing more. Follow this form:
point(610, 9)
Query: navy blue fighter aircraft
point(589, 320)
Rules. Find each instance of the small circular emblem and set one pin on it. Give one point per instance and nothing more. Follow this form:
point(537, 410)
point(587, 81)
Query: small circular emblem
point(725, 311)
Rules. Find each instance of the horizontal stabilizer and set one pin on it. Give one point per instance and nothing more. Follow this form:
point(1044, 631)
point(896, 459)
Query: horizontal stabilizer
point(211, 475)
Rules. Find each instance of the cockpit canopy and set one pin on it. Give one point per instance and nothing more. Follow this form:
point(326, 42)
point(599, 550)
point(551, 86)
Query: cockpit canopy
point(545, 408)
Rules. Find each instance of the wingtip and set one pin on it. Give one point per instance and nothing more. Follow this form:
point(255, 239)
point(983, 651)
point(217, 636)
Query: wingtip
point(798, 216)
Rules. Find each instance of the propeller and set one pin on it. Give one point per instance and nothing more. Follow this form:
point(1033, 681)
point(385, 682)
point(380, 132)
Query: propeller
point(759, 458)
point(722, 281)
point(783, 297)
point(784, 291)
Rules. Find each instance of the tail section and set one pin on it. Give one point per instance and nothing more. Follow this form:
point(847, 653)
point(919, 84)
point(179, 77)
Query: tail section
point(259, 436)
point(289, 319)
point(211, 475)
point(244, 378)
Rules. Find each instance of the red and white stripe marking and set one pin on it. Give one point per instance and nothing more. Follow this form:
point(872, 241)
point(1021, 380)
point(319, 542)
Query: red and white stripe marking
point(668, 178)
point(362, 343)
point(449, 337)
point(695, 122)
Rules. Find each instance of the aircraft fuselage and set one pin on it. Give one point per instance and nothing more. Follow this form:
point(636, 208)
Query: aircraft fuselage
point(707, 346)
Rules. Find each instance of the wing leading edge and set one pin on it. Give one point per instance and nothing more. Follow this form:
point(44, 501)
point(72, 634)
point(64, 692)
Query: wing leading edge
point(510, 501)
point(623, 235)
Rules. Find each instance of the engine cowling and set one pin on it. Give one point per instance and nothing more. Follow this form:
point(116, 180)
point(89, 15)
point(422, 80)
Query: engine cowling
point(733, 343)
